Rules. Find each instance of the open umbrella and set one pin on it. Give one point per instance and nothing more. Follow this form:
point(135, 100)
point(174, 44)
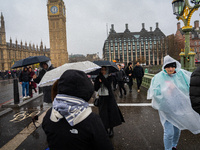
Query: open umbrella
point(51, 76)
point(111, 65)
point(30, 60)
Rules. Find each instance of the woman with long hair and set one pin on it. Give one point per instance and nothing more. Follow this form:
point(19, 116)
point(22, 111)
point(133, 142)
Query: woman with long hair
point(108, 109)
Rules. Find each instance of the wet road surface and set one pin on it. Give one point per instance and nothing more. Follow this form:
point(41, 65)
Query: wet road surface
point(141, 130)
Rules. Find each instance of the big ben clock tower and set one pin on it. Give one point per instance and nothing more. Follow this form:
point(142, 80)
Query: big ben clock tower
point(57, 32)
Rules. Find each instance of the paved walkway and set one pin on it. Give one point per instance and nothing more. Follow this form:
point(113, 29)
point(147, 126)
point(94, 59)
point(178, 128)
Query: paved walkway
point(142, 129)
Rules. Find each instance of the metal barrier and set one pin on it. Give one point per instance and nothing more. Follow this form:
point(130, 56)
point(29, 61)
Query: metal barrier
point(146, 80)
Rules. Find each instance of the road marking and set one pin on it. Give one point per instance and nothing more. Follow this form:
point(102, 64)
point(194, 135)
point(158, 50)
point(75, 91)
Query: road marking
point(19, 138)
point(129, 104)
point(8, 101)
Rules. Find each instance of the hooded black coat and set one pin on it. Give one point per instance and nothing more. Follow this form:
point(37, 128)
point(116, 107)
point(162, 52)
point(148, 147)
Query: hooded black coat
point(195, 90)
point(47, 89)
point(108, 110)
point(91, 134)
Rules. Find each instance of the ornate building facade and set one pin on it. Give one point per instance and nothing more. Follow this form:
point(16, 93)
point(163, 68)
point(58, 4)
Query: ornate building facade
point(11, 52)
point(57, 32)
point(148, 47)
point(179, 39)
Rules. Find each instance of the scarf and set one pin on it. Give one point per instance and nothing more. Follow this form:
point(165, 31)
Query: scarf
point(72, 108)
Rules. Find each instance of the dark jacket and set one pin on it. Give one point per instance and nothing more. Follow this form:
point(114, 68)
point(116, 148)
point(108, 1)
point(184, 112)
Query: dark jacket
point(120, 75)
point(47, 89)
point(138, 72)
point(109, 112)
point(129, 70)
point(195, 90)
point(24, 76)
point(91, 134)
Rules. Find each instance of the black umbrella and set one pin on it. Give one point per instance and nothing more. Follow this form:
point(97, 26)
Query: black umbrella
point(30, 60)
point(111, 65)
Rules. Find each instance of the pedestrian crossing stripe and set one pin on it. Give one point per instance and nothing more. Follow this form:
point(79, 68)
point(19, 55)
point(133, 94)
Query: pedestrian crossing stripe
point(129, 104)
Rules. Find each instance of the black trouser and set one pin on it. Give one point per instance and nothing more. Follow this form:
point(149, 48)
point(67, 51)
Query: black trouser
point(114, 82)
point(121, 86)
point(139, 82)
point(30, 91)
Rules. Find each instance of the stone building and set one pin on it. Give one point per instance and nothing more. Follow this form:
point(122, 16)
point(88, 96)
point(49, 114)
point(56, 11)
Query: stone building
point(11, 52)
point(57, 32)
point(148, 47)
point(179, 41)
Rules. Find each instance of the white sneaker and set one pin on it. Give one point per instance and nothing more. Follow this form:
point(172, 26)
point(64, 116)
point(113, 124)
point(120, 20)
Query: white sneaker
point(27, 97)
point(24, 97)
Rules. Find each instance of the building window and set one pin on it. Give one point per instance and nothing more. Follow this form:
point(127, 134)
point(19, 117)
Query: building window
point(195, 43)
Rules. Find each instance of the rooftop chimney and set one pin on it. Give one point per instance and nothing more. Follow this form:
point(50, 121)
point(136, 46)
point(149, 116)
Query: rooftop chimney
point(151, 29)
point(178, 25)
point(112, 26)
point(196, 24)
point(126, 26)
point(156, 24)
point(142, 25)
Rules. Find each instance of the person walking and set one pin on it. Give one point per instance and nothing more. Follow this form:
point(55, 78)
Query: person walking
point(108, 109)
point(194, 90)
point(169, 91)
point(46, 66)
point(138, 73)
point(70, 123)
point(129, 73)
point(25, 81)
point(33, 85)
point(120, 79)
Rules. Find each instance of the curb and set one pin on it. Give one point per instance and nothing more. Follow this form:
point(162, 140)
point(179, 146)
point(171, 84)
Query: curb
point(5, 111)
point(11, 105)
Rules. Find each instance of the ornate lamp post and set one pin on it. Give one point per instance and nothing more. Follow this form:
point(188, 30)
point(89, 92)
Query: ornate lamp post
point(184, 11)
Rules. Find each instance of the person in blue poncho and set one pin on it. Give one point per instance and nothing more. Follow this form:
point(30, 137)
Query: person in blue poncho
point(169, 91)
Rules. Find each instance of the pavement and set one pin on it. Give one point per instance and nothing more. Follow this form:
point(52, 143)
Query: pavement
point(141, 130)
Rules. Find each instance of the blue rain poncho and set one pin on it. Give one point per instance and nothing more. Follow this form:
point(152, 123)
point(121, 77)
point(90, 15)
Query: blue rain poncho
point(170, 96)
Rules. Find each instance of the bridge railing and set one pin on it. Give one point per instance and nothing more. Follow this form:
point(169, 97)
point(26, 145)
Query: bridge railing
point(146, 80)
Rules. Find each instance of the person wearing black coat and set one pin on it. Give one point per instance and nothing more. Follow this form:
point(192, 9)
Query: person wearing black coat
point(129, 73)
point(120, 79)
point(194, 90)
point(70, 123)
point(108, 109)
point(138, 73)
point(46, 66)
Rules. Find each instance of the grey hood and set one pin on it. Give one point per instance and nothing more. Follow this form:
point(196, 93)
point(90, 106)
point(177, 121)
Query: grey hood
point(48, 64)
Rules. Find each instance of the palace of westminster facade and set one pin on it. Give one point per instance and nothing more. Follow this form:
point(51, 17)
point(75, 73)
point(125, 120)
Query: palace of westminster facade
point(12, 51)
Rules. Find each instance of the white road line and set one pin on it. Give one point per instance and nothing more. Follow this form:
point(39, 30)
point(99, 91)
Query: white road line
point(129, 104)
point(20, 137)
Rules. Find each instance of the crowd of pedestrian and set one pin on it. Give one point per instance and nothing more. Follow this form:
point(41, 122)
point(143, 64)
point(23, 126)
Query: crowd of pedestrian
point(70, 123)
point(9, 74)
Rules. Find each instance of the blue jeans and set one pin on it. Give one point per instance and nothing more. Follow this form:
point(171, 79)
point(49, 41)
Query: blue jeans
point(171, 135)
point(25, 85)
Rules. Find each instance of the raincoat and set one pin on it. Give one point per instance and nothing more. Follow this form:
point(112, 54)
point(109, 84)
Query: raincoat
point(170, 96)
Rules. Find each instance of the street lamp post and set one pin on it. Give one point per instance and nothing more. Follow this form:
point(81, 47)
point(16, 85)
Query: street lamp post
point(184, 11)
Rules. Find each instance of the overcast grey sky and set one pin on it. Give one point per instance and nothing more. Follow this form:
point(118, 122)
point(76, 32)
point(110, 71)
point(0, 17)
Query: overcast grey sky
point(27, 20)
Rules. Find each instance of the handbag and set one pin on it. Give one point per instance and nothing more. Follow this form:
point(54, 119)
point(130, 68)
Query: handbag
point(126, 79)
point(96, 102)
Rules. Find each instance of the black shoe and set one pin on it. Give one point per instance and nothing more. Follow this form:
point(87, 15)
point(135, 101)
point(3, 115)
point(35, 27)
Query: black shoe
point(120, 96)
point(114, 89)
point(174, 148)
point(111, 133)
point(130, 91)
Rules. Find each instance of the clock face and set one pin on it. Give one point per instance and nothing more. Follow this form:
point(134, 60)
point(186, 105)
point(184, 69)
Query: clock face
point(54, 9)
